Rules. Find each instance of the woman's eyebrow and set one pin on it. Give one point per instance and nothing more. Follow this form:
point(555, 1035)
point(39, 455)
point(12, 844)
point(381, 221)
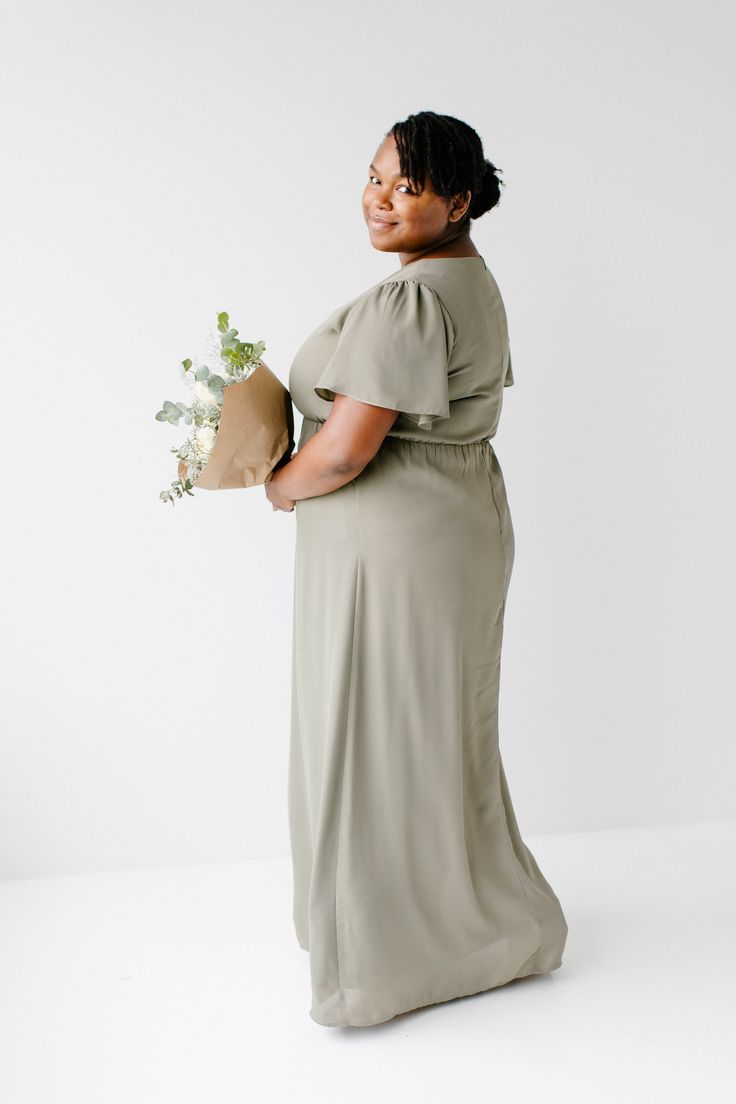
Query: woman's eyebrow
point(397, 176)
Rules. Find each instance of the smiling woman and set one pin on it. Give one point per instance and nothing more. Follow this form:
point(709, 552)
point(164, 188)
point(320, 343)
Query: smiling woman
point(412, 884)
point(423, 189)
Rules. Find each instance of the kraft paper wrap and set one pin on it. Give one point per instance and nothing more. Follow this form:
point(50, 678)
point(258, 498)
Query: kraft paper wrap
point(256, 431)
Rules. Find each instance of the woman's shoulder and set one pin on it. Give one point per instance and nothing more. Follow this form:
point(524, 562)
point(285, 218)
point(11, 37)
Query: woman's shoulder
point(455, 281)
point(391, 296)
point(400, 303)
point(417, 274)
point(451, 287)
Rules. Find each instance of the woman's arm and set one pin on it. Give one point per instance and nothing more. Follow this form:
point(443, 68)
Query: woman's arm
point(349, 439)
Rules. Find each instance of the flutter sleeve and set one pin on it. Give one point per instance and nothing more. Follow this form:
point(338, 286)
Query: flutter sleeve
point(393, 351)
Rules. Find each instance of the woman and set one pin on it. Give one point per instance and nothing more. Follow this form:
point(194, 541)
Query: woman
point(412, 884)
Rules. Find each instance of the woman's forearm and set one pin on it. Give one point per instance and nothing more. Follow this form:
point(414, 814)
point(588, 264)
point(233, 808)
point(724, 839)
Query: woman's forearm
point(316, 469)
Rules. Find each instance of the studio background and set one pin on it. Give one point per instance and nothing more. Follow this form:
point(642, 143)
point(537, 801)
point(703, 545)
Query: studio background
point(164, 162)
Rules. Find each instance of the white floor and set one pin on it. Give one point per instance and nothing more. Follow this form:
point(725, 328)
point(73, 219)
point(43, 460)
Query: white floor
point(188, 985)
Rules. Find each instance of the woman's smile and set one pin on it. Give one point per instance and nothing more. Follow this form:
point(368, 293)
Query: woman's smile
point(379, 223)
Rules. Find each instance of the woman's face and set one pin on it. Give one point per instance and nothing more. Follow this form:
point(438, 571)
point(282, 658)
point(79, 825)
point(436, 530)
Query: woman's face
point(409, 221)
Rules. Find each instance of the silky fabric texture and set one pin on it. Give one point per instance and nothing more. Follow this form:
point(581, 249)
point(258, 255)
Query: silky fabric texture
point(411, 882)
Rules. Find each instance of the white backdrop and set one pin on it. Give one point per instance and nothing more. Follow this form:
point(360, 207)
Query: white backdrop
point(163, 162)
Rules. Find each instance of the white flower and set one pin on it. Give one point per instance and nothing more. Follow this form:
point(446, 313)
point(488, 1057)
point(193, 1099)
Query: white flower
point(203, 393)
point(217, 365)
point(204, 440)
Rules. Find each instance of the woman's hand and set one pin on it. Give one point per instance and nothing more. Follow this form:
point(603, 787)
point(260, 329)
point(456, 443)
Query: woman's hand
point(278, 500)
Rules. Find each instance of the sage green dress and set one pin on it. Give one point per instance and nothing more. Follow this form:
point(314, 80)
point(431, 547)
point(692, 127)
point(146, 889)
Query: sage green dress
point(411, 882)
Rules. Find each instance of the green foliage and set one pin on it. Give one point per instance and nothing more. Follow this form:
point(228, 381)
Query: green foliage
point(239, 359)
point(178, 490)
point(174, 412)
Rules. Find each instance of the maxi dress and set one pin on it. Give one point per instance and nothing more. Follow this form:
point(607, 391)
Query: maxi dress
point(411, 882)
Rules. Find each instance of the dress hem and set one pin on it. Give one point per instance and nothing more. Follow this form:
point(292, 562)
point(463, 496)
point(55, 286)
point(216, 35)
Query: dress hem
point(428, 1004)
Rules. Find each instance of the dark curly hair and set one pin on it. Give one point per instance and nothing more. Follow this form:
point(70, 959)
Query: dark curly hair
point(450, 153)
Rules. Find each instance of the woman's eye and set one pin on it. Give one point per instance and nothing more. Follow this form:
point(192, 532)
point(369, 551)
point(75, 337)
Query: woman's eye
point(409, 191)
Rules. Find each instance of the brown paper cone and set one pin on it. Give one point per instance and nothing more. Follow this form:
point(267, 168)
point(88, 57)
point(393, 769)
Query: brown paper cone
point(256, 430)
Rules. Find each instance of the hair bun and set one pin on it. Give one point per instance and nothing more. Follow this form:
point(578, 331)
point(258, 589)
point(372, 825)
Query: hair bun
point(488, 192)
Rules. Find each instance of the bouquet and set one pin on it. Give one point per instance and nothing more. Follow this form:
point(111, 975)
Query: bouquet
point(241, 413)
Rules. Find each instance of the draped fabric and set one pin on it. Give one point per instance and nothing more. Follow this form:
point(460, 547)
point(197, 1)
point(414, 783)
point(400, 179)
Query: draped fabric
point(412, 884)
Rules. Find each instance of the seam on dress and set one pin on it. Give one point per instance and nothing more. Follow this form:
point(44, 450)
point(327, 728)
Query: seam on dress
point(521, 875)
point(339, 945)
point(463, 757)
point(489, 473)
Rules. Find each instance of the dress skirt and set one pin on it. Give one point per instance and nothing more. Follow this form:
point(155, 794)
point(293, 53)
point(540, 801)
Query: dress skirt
point(411, 882)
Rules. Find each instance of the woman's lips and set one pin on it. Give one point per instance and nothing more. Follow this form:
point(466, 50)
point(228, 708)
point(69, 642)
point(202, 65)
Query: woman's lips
point(380, 224)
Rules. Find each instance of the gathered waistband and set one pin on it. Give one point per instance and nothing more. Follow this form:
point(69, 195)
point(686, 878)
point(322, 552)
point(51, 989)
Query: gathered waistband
point(482, 443)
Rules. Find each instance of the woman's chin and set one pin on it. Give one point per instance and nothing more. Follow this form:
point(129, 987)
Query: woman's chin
point(382, 246)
